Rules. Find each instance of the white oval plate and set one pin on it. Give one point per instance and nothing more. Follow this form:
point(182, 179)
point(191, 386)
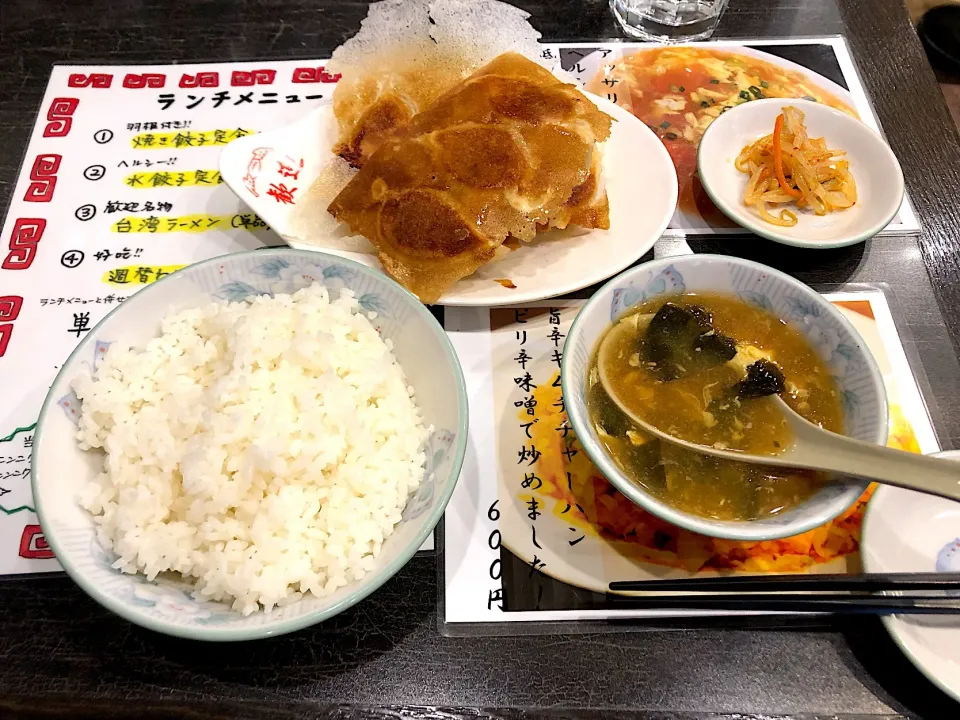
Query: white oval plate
point(872, 162)
point(906, 531)
point(640, 179)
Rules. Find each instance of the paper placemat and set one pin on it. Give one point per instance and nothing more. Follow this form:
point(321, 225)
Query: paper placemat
point(534, 532)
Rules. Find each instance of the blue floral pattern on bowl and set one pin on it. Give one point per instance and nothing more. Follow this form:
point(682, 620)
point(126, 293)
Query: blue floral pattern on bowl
point(285, 276)
point(61, 469)
point(948, 559)
point(853, 368)
point(667, 281)
point(437, 447)
point(166, 598)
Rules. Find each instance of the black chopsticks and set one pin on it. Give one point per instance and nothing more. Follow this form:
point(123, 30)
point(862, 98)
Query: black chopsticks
point(798, 593)
point(789, 583)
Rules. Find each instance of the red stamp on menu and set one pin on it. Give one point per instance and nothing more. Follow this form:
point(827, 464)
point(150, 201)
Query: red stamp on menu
point(241, 78)
point(43, 178)
point(9, 311)
point(201, 79)
point(96, 80)
point(23, 243)
point(10, 307)
point(60, 116)
point(33, 544)
point(144, 80)
point(314, 75)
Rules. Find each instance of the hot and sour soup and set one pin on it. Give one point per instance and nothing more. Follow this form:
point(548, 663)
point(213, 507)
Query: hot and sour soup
point(701, 367)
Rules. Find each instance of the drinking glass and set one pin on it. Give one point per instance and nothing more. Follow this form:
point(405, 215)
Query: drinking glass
point(668, 20)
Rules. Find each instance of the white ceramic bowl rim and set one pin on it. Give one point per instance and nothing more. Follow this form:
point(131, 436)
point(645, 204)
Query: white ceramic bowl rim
point(363, 587)
point(890, 622)
point(769, 231)
point(706, 526)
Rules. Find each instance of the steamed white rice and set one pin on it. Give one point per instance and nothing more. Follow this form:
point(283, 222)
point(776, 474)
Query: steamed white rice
point(262, 449)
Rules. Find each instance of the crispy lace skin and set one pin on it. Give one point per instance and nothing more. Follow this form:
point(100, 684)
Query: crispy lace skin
point(508, 152)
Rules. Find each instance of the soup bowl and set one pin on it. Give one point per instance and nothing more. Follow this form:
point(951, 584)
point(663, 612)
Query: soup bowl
point(837, 343)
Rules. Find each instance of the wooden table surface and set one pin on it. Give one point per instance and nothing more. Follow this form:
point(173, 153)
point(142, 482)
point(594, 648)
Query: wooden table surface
point(64, 656)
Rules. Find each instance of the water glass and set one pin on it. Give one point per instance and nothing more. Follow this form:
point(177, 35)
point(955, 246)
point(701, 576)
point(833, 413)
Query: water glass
point(668, 20)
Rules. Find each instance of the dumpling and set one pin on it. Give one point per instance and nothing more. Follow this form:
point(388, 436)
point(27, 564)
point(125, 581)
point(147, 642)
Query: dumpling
point(507, 153)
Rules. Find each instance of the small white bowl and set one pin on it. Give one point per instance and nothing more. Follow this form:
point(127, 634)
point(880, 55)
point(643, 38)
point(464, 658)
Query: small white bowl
point(61, 469)
point(844, 352)
point(873, 164)
point(907, 531)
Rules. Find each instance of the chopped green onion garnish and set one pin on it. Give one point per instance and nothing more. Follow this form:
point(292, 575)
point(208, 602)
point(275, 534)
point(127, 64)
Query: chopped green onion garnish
point(714, 81)
point(764, 84)
point(704, 103)
point(671, 136)
point(682, 88)
point(744, 94)
point(756, 91)
point(665, 124)
point(810, 98)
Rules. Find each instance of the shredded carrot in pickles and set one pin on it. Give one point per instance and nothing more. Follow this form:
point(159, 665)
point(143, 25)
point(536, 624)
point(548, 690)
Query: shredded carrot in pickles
point(789, 167)
point(778, 157)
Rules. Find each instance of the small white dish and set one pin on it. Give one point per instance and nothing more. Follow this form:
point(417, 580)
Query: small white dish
point(872, 163)
point(905, 531)
point(640, 179)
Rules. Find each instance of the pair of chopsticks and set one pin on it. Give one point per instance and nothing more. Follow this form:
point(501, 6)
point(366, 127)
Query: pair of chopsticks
point(800, 593)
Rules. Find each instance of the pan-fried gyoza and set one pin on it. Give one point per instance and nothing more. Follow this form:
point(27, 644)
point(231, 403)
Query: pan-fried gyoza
point(507, 153)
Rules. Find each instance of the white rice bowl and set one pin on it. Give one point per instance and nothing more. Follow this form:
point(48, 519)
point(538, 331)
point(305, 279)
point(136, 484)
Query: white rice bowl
point(263, 449)
point(62, 472)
